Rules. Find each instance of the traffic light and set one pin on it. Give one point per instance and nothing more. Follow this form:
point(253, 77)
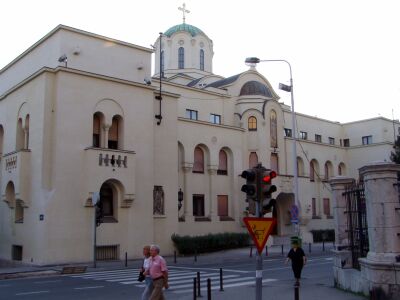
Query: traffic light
point(250, 188)
point(267, 188)
point(99, 213)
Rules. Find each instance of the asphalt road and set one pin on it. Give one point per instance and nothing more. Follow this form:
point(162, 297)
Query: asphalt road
point(238, 280)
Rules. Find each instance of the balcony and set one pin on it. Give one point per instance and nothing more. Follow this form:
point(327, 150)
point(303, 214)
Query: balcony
point(104, 164)
point(16, 168)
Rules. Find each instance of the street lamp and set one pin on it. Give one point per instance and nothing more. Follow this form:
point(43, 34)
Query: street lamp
point(253, 61)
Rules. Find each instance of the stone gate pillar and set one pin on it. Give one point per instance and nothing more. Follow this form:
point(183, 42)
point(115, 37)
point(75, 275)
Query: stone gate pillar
point(342, 259)
point(381, 268)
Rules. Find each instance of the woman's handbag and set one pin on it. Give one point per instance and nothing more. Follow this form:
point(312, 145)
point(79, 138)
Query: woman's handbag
point(141, 276)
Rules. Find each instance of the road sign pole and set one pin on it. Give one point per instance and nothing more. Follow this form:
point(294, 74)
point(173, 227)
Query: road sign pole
point(259, 266)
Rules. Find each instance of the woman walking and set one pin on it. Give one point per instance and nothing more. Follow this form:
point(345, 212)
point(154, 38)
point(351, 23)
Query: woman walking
point(298, 258)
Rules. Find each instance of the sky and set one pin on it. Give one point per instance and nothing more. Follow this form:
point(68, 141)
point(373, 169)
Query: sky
point(344, 54)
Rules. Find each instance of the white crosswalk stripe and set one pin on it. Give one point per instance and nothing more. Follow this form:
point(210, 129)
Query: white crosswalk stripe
point(180, 281)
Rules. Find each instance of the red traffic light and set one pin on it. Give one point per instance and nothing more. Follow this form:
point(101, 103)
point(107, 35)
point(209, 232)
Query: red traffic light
point(267, 178)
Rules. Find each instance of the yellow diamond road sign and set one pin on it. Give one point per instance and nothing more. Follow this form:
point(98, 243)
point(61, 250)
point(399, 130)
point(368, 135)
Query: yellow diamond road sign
point(260, 229)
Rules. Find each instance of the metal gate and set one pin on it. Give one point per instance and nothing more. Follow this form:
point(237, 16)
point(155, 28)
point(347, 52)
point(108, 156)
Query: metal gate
point(357, 226)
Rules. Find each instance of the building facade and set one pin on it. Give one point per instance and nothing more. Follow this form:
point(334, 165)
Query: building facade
point(81, 115)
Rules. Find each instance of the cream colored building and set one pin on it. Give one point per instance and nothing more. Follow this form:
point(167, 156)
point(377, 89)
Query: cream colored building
point(80, 115)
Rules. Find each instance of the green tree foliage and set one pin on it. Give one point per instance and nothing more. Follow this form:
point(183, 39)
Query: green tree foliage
point(395, 156)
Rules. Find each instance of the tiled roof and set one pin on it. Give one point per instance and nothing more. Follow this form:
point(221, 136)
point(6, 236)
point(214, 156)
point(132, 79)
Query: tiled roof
point(225, 81)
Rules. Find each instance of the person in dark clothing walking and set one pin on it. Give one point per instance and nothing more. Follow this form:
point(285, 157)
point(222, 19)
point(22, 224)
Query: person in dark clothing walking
point(298, 258)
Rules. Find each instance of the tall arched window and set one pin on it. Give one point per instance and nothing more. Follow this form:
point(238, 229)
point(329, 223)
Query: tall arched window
point(223, 163)
point(312, 171)
point(107, 200)
point(252, 123)
point(273, 129)
point(198, 165)
point(253, 160)
point(26, 132)
point(341, 169)
point(20, 135)
point(181, 58)
point(162, 62)
point(300, 166)
point(328, 170)
point(202, 59)
point(96, 130)
point(115, 133)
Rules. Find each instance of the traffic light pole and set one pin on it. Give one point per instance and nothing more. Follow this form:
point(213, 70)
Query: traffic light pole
point(259, 266)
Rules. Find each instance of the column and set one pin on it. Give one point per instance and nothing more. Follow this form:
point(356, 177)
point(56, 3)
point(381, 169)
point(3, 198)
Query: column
point(212, 171)
point(104, 142)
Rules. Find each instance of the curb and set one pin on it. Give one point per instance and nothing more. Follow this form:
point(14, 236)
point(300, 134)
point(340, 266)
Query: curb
point(29, 274)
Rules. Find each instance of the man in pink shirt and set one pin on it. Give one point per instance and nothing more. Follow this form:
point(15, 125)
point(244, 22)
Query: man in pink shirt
point(158, 272)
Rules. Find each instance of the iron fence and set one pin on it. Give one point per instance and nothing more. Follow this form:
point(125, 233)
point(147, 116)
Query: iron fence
point(357, 226)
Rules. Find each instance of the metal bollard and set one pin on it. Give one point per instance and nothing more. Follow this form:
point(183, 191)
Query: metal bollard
point(309, 247)
point(175, 257)
point(208, 289)
point(323, 245)
point(221, 281)
point(251, 251)
point(282, 248)
point(126, 259)
point(194, 288)
point(198, 284)
point(296, 292)
point(266, 250)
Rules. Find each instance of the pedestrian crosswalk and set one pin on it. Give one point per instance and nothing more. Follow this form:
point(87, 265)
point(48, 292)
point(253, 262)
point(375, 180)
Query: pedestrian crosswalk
point(180, 280)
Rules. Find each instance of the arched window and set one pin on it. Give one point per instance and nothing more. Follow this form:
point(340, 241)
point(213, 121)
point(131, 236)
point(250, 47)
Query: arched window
point(1, 140)
point(162, 62)
point(114, 134)
point(181, 58)
point(253, 160)
point(198, 165)
point(273, 129)
point(328, 170)
point(20, 135)
point(312, 171)
point(275, 162)
point(26, 132)
point(341, 169)
point(252, 124)
point(19, 212)
point(96, 130)
point(202, 59)
point(223, 163)
point(108, 201)
point(10, 194)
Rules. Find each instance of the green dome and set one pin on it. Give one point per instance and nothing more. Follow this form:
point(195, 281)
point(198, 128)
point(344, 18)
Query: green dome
point(193, 30)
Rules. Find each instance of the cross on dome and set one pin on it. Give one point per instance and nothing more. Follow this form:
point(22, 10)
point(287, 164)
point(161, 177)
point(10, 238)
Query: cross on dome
point(184, 10)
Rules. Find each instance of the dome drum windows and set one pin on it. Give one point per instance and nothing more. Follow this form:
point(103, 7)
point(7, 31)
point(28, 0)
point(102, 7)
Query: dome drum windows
point(252, 123)
point(181, 58)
